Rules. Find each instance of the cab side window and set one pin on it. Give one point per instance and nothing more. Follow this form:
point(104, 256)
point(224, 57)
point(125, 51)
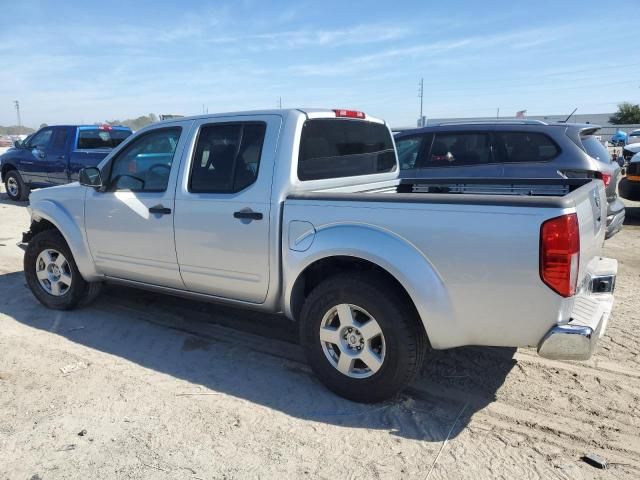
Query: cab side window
point(145, 164)
point(226, 157)
point(41, 139)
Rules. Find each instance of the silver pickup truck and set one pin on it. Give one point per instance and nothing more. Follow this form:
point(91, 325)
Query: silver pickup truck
point(301, 212)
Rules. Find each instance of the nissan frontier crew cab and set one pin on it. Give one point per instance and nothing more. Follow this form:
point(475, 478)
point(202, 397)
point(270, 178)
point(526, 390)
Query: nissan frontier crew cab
point(302, 212)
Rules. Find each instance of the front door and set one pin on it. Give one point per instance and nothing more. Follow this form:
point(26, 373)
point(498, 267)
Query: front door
point(33, 158)
point(130, 225)
point(223, 208)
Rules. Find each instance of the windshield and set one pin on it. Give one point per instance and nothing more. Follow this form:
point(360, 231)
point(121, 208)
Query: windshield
point(94, 138)
point(595, 149)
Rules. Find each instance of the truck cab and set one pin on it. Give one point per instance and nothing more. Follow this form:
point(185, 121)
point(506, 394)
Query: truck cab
point(55, 154)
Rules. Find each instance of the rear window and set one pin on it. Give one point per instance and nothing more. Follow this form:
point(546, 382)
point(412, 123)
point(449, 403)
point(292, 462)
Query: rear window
point(332, 148)
point(595, 149)
point(93, 138)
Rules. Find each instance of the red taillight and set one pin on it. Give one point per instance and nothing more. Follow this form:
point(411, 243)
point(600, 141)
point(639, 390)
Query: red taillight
point(560, 253)
point(349, 113)
point(605, 177)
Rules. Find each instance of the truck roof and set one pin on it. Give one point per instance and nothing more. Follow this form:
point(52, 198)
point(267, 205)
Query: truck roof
point(310, 112)
point(115, 127)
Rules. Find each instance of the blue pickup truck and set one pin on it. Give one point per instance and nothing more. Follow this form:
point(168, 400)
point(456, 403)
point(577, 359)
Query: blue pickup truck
point(55, 155)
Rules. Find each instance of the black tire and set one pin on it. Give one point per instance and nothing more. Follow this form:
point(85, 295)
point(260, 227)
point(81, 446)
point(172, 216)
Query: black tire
point(23, 189)
point(79, 290)
point(405, 339)
point(92, 292)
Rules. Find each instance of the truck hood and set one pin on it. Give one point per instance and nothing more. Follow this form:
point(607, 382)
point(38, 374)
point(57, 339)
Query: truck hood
point(57, 194)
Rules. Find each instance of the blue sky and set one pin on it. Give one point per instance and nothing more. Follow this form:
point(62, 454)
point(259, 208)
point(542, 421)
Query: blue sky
point(91, 61)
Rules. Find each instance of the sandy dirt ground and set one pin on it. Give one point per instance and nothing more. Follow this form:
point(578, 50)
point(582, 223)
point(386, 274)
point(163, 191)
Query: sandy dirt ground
point(144, 386)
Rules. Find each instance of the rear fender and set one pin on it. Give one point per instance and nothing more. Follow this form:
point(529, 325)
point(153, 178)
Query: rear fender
point(389, 251)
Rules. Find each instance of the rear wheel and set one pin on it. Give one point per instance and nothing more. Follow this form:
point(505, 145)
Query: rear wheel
point(16, 189)
point(52, 274)
point(362, 336)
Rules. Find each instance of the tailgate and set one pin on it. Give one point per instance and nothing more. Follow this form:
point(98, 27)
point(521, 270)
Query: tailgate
point(591, 208)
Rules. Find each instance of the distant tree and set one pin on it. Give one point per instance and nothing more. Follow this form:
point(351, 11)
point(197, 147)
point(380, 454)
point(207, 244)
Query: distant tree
point(627, 113)
point(16, 130)
point(42, 125)
point(136, 123)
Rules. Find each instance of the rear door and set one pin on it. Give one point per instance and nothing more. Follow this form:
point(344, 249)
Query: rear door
point(57, 156)
point(223, 207)
point(523, 154)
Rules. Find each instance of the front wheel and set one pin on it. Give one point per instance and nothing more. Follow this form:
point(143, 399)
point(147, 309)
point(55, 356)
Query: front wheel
point(16, 189)
point(52, 274)
point(362, 336)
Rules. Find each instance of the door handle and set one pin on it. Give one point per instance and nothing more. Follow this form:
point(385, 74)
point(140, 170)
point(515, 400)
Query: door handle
point(61, 157)
point(248, 214)
point(160, 210)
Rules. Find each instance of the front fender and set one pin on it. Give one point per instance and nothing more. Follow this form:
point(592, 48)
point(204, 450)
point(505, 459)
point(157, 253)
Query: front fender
point(69, 221)
point(389, 251)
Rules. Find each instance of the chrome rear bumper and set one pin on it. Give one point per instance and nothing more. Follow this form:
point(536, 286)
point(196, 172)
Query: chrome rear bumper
point(577, 338)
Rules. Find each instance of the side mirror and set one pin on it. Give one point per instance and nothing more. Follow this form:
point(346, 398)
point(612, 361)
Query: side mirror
point(17, 144)
point(90, 177)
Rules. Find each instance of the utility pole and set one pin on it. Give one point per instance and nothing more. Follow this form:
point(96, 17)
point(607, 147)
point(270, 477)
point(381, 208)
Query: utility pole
point(498, 114)
point(17, 105)
point(421, 96)
point(280, 103)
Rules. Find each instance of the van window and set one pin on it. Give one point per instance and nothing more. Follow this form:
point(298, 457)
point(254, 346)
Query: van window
point(595, 149)
point(455, 149)
point(334, 148)
point(524, 147)
point(409, 150)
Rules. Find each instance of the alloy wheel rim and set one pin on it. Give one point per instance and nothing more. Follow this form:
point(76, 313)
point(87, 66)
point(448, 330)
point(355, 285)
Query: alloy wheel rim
point(12, 186)
point(352, 341)
point(53, 272)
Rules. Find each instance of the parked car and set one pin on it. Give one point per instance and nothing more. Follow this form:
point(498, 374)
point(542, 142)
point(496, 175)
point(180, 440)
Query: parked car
point(301, 211)
point(633, 170)
point(618, 139)
point(634, 137)
point(5, 141)
point(55, 155)
point(630, 150)
point(512, 149)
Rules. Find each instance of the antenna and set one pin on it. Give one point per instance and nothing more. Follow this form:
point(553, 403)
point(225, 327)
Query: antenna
point(570, 115)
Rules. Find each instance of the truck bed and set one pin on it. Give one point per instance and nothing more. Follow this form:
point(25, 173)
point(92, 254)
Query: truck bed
point(542, 192)
point(482, 247)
